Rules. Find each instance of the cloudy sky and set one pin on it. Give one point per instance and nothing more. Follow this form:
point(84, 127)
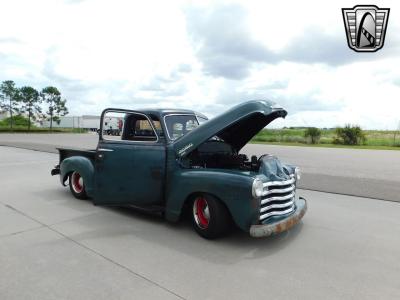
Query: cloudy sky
point(204, 55)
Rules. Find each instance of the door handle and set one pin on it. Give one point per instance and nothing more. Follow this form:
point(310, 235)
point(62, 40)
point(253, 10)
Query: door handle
point(100, 156)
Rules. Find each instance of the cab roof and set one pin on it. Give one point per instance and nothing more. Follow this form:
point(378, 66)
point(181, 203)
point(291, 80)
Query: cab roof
point(165, 111)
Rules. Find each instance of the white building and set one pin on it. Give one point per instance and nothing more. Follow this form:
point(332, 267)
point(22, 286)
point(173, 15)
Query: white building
point(85, 122)
point(3, 115)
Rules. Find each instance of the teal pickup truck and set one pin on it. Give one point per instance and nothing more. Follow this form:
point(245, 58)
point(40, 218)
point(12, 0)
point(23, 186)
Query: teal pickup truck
point(174, 161)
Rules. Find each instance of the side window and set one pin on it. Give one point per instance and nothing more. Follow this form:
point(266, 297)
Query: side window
point(113, 124)
point(157, 126)
point(138, 128)
point(127, 126)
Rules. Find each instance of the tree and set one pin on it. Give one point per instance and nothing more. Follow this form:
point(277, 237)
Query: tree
point(313, 133)
point(394, 135)
point(52, 96)
point(9, 98)
point(18, 120)
point(350, 135)
point(30, 103)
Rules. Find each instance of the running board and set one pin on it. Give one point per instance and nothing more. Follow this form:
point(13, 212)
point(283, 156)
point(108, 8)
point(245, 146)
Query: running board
point(152, 209)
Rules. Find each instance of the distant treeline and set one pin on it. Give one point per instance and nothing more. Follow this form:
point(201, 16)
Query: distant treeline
point(44, 105)
point(346, 135)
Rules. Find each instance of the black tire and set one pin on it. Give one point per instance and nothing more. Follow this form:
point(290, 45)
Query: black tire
point(77, 186)
point(212, 221)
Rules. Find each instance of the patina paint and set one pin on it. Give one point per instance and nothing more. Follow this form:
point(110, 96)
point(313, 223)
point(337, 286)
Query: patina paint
point(153, 174)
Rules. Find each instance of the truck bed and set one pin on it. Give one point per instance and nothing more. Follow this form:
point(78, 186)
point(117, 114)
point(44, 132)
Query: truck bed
point(68, 152)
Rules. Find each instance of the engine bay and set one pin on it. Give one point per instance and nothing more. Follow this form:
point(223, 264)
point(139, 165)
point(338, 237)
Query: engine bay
point(218, 154)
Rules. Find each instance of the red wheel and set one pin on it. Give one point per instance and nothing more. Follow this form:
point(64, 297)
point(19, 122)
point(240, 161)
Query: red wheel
point(77, 182)
point(201, 212)
point(210, 217)
point(77, 186)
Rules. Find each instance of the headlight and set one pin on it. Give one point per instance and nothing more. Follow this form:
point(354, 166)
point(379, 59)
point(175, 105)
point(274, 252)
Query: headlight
point(297, 173)
point(258, 188)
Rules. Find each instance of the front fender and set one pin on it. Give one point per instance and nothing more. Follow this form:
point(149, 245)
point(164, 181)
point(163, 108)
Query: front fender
point(232, 188)
point(83, 166)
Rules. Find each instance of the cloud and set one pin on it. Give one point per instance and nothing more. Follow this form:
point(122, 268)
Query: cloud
point(172, 84)
point(225, 46)
point(207, 56)
point(74, 1)
point(316, 46)
point(10, 40)
point(184, 68)
point(231, 94)
point(223, 42)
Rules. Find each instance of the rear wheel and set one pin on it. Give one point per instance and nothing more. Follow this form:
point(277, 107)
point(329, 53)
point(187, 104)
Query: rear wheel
point(77, 186)
point(210, 217)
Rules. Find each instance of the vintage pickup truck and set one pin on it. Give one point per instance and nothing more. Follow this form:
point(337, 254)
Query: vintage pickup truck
point(171, 161)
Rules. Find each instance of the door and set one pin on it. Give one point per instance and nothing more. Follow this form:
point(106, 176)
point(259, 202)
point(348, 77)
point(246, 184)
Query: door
point(130, 162)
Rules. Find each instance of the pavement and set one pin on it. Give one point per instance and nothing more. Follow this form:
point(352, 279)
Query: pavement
point(357, 172)
point(53, 246)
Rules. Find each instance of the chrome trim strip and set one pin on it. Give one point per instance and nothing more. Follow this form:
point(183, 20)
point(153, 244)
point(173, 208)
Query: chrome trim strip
point(290, 203)
point(279, 191)
point(105, 150)
point(276, 213)
point(286, 182)
point(277, 198)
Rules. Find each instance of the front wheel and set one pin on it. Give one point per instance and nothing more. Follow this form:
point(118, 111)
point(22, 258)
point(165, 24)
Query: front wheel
point(77, 186)
point(210, 217)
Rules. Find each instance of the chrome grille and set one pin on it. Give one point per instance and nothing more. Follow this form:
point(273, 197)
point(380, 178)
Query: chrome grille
point(278, 198)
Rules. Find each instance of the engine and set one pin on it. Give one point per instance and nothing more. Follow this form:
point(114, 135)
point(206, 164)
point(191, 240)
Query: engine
point(218, 154)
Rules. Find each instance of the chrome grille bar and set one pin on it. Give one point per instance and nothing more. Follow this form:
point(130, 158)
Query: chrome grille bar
point(272, 206)
point(279, 191)
point(277, 198)
point(277, 213)
point(279, 183)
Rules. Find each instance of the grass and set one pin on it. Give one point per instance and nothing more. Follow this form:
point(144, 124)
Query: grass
point(24, 129)
point(20, 125)
point(376, 139)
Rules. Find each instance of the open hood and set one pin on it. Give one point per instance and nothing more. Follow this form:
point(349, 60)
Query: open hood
point(236, 126)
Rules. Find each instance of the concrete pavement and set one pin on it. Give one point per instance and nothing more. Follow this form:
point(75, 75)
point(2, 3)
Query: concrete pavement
point(53, 246)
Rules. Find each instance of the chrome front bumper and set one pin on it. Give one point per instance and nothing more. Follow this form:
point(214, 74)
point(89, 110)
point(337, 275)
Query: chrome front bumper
point(262, 230)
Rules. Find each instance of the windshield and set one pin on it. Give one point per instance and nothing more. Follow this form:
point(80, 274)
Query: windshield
point(179, 125)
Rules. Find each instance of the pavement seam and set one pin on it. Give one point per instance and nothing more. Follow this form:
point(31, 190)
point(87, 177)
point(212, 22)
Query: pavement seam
point(94, 251)
point(346, 194)
point(19, 232)
point(74, 219)
point(55, 151)
point(117, 264)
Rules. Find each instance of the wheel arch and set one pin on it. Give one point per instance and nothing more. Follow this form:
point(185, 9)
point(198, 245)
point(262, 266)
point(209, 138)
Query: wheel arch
point(232, 190)
point(83, 166)
point(191, 197)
